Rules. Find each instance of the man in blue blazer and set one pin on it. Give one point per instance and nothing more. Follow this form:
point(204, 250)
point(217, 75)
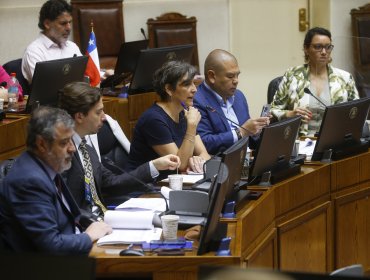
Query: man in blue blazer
point(85, 105)
point(224, 108)
point(37, 212)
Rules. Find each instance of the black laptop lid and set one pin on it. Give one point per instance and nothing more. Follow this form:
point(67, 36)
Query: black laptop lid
point(152, 59)
point(128, 56)
point(51, 76)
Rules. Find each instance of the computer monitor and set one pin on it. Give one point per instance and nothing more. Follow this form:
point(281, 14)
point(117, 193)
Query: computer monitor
point(51, 76)
point(234, 158)
point(341, 129)
point(152, 59)
point(210, 233)
point(273, 153)
point(126, 62)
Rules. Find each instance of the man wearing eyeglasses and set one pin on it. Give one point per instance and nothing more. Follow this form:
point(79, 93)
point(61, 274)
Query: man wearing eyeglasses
point(329, 85)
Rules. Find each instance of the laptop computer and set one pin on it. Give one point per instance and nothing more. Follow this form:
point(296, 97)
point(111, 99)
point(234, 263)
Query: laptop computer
point(152, 59)
point(126, 62)
point(51, 76)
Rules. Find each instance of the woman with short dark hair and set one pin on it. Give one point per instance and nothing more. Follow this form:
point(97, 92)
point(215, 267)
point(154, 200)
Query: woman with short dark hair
point(170, 125)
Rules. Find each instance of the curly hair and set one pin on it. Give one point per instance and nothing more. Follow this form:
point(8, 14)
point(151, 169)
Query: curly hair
point(53, 9)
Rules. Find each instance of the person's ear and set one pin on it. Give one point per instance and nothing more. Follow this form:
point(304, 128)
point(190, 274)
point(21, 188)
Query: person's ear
point(47, 24)
point(79, 117)
point(211, 76)
point(41, 144)
point(168, 89)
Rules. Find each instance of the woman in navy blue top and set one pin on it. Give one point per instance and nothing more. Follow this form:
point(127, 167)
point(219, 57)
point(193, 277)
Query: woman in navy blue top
point(170, 125)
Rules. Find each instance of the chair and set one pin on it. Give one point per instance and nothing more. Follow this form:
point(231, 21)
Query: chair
point(107, 17)
point(272, 88)
point(113, 155)
point(352, 270)
point(16, 67)
point(171, 29)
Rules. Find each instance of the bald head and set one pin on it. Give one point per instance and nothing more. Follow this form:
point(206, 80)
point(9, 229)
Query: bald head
point(216, 60)
point(221, 72)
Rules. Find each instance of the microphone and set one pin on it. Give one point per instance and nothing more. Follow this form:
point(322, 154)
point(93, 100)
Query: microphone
point(143, 32)
point(307, 91)
point(213, 110)
point(148, 186)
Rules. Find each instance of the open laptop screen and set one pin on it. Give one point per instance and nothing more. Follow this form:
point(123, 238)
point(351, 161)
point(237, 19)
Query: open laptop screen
point(152, 59)
point(51, 76)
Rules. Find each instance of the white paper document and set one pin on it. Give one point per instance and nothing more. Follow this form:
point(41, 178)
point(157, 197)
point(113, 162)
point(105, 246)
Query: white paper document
point(188, 179)
point(130, 236)
point(143, 204)
point(130, 227)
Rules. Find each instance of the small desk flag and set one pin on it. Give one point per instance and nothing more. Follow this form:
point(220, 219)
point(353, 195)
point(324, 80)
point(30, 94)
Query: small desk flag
point(93, 65)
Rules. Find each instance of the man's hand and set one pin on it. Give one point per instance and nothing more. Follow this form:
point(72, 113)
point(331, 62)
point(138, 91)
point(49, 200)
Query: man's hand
point(97, 230)
point(254, 126)
point(170, 162)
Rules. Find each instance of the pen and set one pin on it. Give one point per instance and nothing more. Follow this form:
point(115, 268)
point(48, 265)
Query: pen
point(184, 106)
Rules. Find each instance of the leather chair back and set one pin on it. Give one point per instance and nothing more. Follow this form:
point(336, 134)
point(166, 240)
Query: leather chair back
point(173, 29)
point(272, 88)
point(107, 18)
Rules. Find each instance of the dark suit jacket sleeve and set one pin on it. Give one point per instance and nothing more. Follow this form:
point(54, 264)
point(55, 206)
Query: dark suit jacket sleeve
point(112, 184)
point(37, 210)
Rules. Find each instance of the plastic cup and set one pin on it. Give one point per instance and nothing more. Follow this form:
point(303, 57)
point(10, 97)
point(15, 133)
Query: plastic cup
point(175, 182)
point(1, 103)
point(169, 226)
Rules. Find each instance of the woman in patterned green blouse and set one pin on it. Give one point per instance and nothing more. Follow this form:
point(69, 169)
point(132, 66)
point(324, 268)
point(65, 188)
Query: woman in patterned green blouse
point(330, 85)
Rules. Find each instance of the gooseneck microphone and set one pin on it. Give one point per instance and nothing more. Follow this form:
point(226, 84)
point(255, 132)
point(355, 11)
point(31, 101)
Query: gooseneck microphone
point(213, 110)
point(307, 91)
point(143, 32)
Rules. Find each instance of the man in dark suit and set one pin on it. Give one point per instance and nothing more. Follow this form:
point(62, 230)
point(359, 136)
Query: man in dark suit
point(218, 99)
point(37, 212)
point(84, 104)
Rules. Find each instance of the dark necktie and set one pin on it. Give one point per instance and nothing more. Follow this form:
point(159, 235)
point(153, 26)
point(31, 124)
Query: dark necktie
point(58, 184)
point(90, 189)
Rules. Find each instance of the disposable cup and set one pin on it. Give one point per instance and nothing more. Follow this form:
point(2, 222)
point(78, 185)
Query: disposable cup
point(175, 182)
point(169, 226)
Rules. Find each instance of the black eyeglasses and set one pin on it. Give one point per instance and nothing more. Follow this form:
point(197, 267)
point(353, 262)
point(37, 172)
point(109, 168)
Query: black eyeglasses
point(319, 47)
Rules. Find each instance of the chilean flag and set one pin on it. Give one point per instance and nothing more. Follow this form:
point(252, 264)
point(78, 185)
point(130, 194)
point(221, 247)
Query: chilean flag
point(93, 66)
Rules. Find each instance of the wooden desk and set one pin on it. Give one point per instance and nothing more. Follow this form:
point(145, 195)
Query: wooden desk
point(156, 267)
point(317, 221)
point(13, 131)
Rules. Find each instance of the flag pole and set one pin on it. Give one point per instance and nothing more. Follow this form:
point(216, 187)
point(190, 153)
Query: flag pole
point(92, 26)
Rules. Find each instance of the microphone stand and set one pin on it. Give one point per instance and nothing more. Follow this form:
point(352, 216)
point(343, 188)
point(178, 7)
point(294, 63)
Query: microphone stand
point(307, 91)
point(213, 110)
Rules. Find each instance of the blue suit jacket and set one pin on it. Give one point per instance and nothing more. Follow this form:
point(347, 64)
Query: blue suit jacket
point(33, 216)
point(213, 129)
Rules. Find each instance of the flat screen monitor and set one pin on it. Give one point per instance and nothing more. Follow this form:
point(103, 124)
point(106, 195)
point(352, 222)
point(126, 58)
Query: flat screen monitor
point(341, 129)
point(274, 150)
point(210, 230)
point(152, 59)
point(51, 76)
point(126, 62)
point(234, 158)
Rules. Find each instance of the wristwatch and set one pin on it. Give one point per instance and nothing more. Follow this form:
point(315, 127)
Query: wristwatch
point(238, 134)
